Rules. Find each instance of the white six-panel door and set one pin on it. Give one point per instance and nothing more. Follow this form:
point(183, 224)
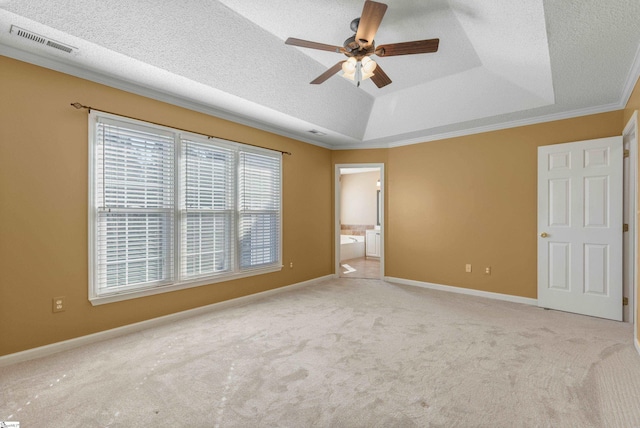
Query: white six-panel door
point(580, 227)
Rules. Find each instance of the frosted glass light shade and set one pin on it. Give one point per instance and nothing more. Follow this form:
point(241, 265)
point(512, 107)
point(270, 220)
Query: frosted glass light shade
point(368, 65)
point(349, 66)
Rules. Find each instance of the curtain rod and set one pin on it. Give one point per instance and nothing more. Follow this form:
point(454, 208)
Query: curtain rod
point(89, 108)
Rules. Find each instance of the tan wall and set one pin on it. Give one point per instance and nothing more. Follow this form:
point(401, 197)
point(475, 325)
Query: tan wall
point(471, 200)
point(43, 208)
point(462, 200)
point(634, 105)
point(358, 198)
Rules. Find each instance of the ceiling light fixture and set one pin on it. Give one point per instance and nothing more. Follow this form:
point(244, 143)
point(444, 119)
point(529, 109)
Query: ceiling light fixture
point(358, 70)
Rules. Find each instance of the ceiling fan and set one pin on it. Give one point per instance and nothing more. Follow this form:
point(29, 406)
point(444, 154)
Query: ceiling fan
point(359, 47)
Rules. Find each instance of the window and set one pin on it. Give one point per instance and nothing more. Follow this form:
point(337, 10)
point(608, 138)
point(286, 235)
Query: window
point(208, 209)
point(259, 210)
point(170, 210)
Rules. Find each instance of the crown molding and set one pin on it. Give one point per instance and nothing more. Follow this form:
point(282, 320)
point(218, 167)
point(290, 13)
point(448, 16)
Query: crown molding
point(511, 124)
point(152, 93)
point(148, 92)
point(632, 78)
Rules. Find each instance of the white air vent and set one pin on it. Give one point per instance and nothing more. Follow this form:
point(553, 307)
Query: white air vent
point(21, 32)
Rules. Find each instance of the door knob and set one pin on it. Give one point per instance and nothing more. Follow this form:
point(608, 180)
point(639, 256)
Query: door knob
point(544, 234)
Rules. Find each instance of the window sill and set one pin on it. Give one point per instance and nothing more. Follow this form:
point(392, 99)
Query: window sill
point(134, 294)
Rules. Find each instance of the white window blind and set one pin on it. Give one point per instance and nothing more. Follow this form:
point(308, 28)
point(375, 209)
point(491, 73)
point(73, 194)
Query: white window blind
point(171, 210)
point(259, 210)
point(135, 185)
point(208, 209)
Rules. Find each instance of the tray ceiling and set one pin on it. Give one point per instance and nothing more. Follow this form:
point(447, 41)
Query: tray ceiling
point(500, 63)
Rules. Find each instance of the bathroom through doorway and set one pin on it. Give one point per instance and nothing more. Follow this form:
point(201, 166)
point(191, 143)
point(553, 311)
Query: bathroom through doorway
point(359, 221)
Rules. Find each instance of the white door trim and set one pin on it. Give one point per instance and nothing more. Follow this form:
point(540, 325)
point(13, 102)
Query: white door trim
point(632, 128)
point(337, 190)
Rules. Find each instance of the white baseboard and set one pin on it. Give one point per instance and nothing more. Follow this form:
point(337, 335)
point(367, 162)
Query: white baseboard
point(636, 341)
point(53, 348)
point(469, 291)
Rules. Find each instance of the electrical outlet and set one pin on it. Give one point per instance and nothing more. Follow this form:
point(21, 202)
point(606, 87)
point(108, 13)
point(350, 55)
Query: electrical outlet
point(487, 270)
point(58, 304)
point(467, 268)
point(290, 265)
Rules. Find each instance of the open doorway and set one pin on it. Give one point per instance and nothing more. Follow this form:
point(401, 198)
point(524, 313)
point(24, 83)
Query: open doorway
point(359, 221)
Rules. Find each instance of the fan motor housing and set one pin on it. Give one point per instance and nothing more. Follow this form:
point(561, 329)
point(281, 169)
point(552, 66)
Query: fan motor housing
point(353, 48)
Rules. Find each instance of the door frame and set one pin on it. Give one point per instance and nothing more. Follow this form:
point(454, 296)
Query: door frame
point(337, 206)
point(632, 128)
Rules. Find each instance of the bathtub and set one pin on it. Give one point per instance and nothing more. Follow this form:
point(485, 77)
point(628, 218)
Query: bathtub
point(351, 247)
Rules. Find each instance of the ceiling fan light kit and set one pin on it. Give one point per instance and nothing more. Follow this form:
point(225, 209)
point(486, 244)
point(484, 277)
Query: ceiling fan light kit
point(358, 70)
point(359, 47)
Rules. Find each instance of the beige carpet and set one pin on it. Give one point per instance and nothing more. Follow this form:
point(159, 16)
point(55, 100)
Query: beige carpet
point(343, 353)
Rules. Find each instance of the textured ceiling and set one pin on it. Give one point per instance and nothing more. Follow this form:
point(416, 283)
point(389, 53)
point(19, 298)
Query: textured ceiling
point(500, 63)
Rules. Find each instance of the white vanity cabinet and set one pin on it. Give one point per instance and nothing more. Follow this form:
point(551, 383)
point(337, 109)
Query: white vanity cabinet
point(372, 247)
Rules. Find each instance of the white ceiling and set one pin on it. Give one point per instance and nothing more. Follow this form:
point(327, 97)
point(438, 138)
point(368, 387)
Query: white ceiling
point(500, 63)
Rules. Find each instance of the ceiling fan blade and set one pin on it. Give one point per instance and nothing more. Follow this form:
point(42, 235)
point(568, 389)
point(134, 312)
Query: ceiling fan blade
point(370, 20)
point(408, 48)
point(330, 72)
point(313, 45)
point(380, 78)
